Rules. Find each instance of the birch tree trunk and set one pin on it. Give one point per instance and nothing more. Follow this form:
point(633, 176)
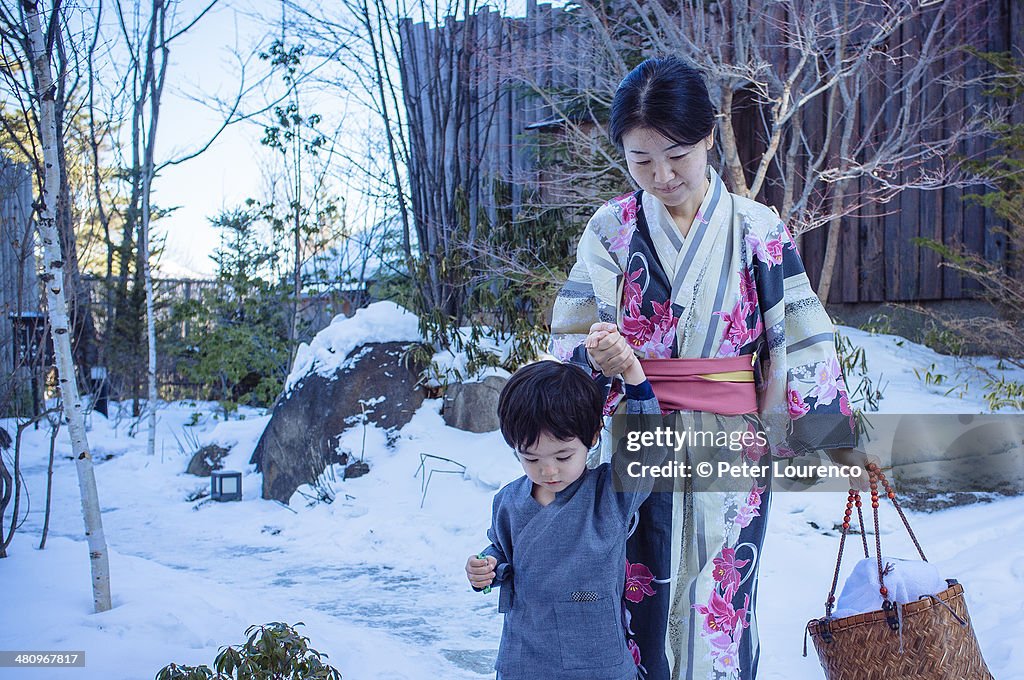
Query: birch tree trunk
point(53, 278)
point(154, 81)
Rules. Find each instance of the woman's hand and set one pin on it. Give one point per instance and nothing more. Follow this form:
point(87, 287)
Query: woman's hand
point(608, 350)
point(855, 459)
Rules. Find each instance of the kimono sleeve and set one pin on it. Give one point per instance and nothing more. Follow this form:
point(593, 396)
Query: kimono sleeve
point(643, 413)
point(588, 295)
point(804, 400)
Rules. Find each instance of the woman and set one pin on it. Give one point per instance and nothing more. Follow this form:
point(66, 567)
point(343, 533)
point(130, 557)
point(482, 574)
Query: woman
point(709, 290)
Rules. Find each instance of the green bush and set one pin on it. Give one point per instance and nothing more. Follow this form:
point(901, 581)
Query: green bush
point(238, 346)
point(274, 651)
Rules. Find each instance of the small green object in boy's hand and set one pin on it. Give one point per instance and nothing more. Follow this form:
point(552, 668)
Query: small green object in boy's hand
point(486, 589)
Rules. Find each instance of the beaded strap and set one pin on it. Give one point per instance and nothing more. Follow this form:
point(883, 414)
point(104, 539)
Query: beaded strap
point(875, 475)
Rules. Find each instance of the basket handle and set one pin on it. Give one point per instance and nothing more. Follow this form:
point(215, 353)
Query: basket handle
point(875, 475)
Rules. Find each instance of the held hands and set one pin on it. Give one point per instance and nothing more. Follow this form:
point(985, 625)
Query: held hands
point(480, 571)
point(608, 351)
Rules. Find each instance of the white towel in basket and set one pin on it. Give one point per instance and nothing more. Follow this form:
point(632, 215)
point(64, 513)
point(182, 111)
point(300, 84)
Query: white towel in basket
point(906, 580)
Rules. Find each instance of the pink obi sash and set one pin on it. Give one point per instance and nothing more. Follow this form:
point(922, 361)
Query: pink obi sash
point(724, 386)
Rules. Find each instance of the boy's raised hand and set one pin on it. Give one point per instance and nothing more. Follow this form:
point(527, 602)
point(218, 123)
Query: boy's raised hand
point(480, 571)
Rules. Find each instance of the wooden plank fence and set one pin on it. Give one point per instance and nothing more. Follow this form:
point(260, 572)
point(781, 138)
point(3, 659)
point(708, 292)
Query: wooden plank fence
point(877, 260)
point(19, 292)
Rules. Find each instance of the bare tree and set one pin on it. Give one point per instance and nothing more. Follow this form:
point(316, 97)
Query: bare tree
point(146, 77)
point(809, 67)
point(21, 136)
point(416, 68)
point(40, 43)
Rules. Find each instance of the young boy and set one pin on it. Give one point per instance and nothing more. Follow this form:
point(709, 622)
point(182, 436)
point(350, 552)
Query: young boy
point(558, 534)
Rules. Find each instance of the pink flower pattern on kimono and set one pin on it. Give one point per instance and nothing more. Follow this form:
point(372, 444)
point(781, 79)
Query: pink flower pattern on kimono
point(620, 235)
point(769, 252)
point(748, 290)
point(631, 290)
point(787, 237)
point(663, 317)
point(797, 406)
point(723, 623)
point(627, 207)
point(759, 449)
point(638, 582)
point(749, 510)
point(651, 337)
point(634, 650)
point(620, 238)
point(754, 497)
point(844, 404)
point(827, 379)
point(719, 614)
point(727, 568)
point(720, 643)
point(736, 334)
point(660, 344)
point(611, 403)
point(636, 328)
point(728, 661)
point(724, 652)
point(746, 515)
point(562, 349)
point(783, 451)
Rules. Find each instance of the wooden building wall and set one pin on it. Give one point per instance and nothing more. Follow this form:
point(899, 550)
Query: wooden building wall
point(877, 260)
point(19, 292)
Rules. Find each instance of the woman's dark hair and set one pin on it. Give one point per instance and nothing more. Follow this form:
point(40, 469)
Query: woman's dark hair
point(561, 400)
point(668, 95)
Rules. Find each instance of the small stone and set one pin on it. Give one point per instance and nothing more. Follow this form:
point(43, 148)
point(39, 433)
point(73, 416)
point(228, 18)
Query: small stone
point(356, 469)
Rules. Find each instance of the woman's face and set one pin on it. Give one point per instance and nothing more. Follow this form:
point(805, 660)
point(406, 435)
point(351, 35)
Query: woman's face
point(673, 172)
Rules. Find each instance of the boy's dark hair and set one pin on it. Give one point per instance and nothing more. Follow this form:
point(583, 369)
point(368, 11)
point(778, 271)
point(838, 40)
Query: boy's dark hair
point(668, 95)
point(559, 399)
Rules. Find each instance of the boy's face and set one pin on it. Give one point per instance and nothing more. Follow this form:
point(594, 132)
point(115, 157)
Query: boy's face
point(553, 464)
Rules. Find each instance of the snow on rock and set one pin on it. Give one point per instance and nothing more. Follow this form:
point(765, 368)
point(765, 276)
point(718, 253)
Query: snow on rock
point(326, 354)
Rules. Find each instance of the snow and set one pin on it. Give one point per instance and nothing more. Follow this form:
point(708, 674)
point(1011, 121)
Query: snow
point(376, 578)
point(388, 322)
point(326, 354)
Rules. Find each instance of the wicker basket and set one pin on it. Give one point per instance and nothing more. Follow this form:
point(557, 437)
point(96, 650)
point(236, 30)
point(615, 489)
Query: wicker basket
point(935, 644)
point(930, 639)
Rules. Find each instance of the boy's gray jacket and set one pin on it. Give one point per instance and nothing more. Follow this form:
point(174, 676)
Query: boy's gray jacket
point(561, 571)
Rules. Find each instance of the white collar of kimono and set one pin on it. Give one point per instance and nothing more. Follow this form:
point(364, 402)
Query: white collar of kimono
point(679, 255)
point(664, 231)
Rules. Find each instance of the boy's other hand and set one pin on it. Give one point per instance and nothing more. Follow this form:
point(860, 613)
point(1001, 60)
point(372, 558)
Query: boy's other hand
point(480, 572)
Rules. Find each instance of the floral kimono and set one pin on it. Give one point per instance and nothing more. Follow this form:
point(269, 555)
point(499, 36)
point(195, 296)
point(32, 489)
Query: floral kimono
point(734, 286)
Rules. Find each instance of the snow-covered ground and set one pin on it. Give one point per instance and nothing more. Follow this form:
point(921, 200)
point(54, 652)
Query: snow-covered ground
point(378, 580)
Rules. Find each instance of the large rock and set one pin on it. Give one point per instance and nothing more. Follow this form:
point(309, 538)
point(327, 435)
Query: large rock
point(300, 438)
point(473, 406)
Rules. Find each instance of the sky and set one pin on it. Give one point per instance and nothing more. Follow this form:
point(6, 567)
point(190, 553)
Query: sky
point(203, 63)
point(227, 173)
